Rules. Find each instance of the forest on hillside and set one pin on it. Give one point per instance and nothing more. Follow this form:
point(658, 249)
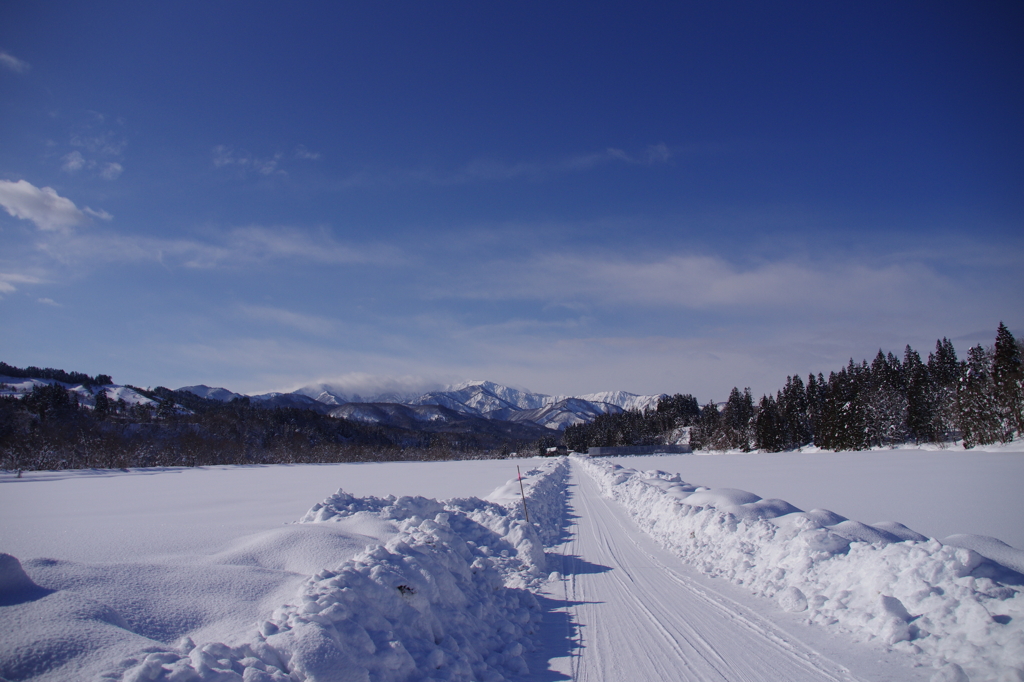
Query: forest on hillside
point(978, 400)
point(49, 428)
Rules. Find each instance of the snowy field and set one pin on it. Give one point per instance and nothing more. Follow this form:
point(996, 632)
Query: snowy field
point(125, 573)
point(938, 493)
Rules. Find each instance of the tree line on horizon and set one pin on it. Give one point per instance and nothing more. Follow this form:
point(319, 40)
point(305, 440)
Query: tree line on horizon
point(48, 428)
point(978, 400)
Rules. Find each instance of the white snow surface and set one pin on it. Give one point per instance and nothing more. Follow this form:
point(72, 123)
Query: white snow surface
point(121, 573)
point(401, 586)
point(941, 604)
point(938, 492)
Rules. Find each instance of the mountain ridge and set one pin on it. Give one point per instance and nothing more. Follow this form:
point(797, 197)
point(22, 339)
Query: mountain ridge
point(476, 398)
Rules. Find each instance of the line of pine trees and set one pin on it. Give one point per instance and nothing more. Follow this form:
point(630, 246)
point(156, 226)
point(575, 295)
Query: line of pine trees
point(882, 403)
point(634, 427)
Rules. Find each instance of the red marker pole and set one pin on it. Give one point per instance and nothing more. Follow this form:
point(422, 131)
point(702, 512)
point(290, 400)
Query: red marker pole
point(523, 493)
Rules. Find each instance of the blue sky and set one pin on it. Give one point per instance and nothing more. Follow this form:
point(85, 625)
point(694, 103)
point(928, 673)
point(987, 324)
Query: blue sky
point(565, 197)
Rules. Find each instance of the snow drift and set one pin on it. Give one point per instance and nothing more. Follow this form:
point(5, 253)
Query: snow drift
point(945, 605)
point(443, 599)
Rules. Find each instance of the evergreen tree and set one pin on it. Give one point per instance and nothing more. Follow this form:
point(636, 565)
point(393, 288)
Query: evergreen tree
point(944, 370)
point(1008, 382)
point(102, 409)
point(885, 401)
point(49, 399)
point(816, 390)
point(843, 418)
point(737, 418)
point(682, 409)
point(920, 421)
point(979, 417)
point(705, 434)
point(769, 428)
point(794, 413)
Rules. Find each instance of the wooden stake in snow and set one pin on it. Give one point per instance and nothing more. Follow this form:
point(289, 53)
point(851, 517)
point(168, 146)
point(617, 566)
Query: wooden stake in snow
point(523, 493)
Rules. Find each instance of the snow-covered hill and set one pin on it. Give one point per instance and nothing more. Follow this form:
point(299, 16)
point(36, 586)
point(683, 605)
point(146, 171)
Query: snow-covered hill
point(475, 398)
point(622, 399)
point(204, 391)
point(481, 397)
point(19, 387)
point(560, 414)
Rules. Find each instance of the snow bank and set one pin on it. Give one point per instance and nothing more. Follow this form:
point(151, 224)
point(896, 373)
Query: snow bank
point(443, 599)
point(945, 605)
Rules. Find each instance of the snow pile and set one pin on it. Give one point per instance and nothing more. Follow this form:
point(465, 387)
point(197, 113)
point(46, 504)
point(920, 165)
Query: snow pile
point(544, 487)
point(442, 599)
point(946, 605)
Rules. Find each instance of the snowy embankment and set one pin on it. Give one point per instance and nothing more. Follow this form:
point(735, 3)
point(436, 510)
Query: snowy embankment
point(444, 598)
point(945, 605)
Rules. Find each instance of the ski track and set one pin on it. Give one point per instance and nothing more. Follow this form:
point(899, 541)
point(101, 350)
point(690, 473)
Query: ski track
point(633, 617)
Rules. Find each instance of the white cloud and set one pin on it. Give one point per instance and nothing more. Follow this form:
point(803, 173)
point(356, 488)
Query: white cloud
point(12, 63)
point(73, 162)
point(107, 143)
point(111, 170)
point(266, 166)
point(43, 206)
point(239, 247)
point(225, 156)
point(699, 282)
point(9, 279)
point(485, 170)
point(49, 301)
point(368, 385)
point(310, 324)
point(101, 214)
point(222, 156)
point(654, 154)
point(302, 153)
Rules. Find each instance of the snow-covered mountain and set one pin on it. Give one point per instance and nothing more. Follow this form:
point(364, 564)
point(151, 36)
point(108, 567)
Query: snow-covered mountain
point(204, 391)
point(623, 399)
point(559, 415)
point(482, 397)
point(473, 398)
point(494, 401)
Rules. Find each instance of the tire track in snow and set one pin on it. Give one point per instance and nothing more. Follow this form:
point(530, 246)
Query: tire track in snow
point(637, 618)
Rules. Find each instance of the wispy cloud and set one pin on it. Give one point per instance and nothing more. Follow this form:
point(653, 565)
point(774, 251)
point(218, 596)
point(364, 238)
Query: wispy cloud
point(42, 205)
point(12, 63)
point(223, 155)
point(101, 214)
point(301, 152)
point(111, 170)
point(239, 247)
point(73, 162)
point(309, 324)
point(368, 385)
point(9, 279)
point(107, 142)
point(96, 148)
point(49, 301)
point(700, 282)
point(491, 170)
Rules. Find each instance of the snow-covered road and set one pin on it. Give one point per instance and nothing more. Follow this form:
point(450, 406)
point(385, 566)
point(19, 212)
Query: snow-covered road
point(633, 612)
